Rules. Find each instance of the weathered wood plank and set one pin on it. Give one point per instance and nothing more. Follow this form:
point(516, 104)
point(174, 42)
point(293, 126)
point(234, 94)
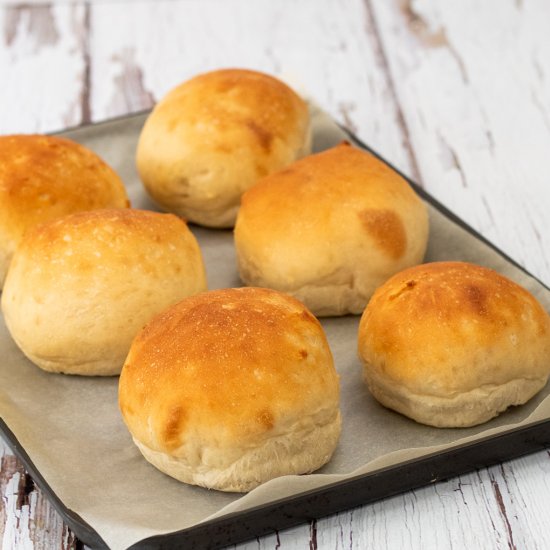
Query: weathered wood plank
point(472, 83)
point(43, 67)
point(27, 518)
point(521, 489)
point(326, 49)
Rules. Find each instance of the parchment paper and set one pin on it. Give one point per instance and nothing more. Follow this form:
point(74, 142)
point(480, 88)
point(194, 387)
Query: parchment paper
point(72, 430)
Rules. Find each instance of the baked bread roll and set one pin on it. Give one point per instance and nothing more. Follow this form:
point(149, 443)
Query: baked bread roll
point(231, 388)
point(452, 344)
point(330, 229)
point(214, 136)
point(46, 177)
point(79, 288)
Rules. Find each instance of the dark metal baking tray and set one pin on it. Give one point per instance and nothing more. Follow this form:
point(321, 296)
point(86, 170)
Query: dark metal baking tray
point(358, 490)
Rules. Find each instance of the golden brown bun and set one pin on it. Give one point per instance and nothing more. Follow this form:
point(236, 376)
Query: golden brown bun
point(79, 288)
point(46, 177)
point(329, 229)
point(214, 136)
point(452, 344)
point(231, 388)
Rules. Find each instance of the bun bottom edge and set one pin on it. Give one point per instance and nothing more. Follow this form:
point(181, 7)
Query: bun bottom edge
point(463, 410)
point(295, 453)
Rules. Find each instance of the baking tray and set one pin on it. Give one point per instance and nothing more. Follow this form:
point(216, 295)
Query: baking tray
point(513, 434)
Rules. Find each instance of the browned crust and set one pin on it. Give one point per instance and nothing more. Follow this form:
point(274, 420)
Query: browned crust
point(448, 327)
point(226, 367)
point(213, 136)
point(46, 177)
point(318, 193)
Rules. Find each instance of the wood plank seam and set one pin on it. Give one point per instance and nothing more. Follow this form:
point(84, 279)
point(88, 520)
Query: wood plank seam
point(85, 103)
point(373, 23)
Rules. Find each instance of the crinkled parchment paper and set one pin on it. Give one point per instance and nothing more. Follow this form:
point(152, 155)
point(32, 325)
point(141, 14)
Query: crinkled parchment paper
point(72, 430)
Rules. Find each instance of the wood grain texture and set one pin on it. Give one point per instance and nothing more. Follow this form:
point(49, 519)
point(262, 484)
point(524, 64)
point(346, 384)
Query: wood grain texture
point(43, 67)
point(27, 518)
point(472, 83)
point(494, 508)
point(328, 52)
point(456, 94)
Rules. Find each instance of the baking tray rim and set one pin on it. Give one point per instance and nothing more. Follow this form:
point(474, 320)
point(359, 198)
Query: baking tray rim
point(240, 526)
point(236, 527)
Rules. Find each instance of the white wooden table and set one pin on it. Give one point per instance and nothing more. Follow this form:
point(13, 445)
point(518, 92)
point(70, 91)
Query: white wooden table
point(455, 94)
